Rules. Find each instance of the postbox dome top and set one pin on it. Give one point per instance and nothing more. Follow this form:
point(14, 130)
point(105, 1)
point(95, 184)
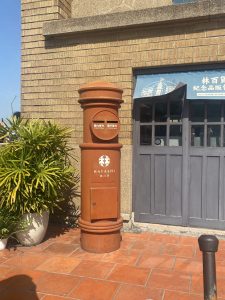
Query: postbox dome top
point(101, 85)
point(100, 91)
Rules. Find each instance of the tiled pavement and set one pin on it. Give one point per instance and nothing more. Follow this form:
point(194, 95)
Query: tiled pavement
point(148, 266)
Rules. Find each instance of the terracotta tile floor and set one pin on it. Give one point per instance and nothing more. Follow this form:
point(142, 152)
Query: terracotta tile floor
point(149, 266)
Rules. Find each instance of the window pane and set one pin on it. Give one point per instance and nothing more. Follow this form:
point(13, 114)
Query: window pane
point(196, 112)
point(175, 136)
point(175, 111)
point(160, 135)
point(161, 112)
point(197, 136)
point(214, 112)
point(213, 136)
point(146, 112)
point(145, 135)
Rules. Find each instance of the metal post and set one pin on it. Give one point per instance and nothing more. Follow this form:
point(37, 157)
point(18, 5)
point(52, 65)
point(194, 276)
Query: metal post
point(208, 244)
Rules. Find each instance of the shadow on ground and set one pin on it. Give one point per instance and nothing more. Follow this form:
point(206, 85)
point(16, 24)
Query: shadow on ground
point(19, 287)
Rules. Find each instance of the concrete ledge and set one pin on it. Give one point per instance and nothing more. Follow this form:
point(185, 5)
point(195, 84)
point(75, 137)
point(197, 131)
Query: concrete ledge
point(169, 229)
point(137, 227)
point(153, 16)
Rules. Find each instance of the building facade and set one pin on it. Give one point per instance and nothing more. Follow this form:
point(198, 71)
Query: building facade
point(168, 56)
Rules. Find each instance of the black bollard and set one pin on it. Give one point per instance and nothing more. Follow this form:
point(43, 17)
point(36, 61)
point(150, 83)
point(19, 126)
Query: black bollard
point(208, 244)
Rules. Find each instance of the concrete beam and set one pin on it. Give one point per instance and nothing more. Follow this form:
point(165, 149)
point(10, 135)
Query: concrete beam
point(130, 19)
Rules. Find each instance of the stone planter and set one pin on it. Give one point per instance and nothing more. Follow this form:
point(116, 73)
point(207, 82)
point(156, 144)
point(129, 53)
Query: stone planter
point(36, 229)
point(3, 243)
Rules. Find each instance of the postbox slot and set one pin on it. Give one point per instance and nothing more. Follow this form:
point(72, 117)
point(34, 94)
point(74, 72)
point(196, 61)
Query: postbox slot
point(112, 124)
point(104, 203)
point(99, 124)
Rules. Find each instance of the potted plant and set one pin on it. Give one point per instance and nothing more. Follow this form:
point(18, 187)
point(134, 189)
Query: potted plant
point(35, 172)
point(10, 223)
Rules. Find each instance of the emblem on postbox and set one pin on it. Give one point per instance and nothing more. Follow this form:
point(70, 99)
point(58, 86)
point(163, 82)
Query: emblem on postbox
point(104, 161)
point(105, 125)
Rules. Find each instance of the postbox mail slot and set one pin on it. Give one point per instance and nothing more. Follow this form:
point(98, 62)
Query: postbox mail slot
point(104, 203)
point(112, 124)
point(98, 124)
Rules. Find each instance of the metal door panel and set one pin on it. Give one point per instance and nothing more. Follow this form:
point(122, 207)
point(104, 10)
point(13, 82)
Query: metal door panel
point(174, 205)
point(143, 182)
point(158, 189)
point(212, 224)
point(158, 219)
point(212, 188)
point(195, 192)
point(206, 188)
point(160, 185)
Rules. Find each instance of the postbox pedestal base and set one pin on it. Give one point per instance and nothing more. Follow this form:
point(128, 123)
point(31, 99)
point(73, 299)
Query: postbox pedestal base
point(103, 239)
point(100, 243)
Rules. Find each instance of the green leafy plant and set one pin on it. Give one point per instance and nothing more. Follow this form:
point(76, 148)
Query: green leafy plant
point(35, 165)
point(10, 223)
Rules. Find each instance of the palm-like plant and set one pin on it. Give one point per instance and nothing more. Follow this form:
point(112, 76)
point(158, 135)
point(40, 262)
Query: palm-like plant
point(35, 165)
point(10, 223)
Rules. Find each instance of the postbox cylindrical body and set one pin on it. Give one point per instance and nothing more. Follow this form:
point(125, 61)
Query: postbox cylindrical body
point(100, 220)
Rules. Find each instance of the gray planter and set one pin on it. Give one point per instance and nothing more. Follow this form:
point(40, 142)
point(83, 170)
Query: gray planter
point(36, 230)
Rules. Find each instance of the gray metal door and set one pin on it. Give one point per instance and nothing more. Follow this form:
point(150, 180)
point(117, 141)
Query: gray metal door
point(179, 162)
point(206, 164)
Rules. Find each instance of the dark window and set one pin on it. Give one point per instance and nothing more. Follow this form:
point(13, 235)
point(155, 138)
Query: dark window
point(160, 112)
point(197, 111)
point(161, 123)
point(197, 135)
point(145, 135)
point(214, 112)
point(175, 111)
point(146, 112)
point(207, 123)
point(213, 136)
point(175, 135)
point(160, 135)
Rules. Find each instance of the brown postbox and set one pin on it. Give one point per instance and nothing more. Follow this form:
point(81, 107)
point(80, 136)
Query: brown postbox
point(100, 220)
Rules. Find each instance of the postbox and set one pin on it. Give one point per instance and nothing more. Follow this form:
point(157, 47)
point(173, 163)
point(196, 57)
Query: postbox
point(100, 220)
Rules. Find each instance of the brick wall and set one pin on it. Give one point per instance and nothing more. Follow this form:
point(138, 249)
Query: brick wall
point(42, 96)
point(53, 71)
point(51, 76)
point(64, 8)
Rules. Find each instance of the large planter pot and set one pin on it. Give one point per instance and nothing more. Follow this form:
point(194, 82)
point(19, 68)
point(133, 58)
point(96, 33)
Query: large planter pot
point(35, 230)
point(3, 243)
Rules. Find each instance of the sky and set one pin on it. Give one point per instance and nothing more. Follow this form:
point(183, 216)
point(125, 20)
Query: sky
point(9, 57)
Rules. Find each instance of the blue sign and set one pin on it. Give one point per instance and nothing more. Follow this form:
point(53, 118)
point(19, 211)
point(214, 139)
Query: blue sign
point(183, 1)
point(206, 85)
